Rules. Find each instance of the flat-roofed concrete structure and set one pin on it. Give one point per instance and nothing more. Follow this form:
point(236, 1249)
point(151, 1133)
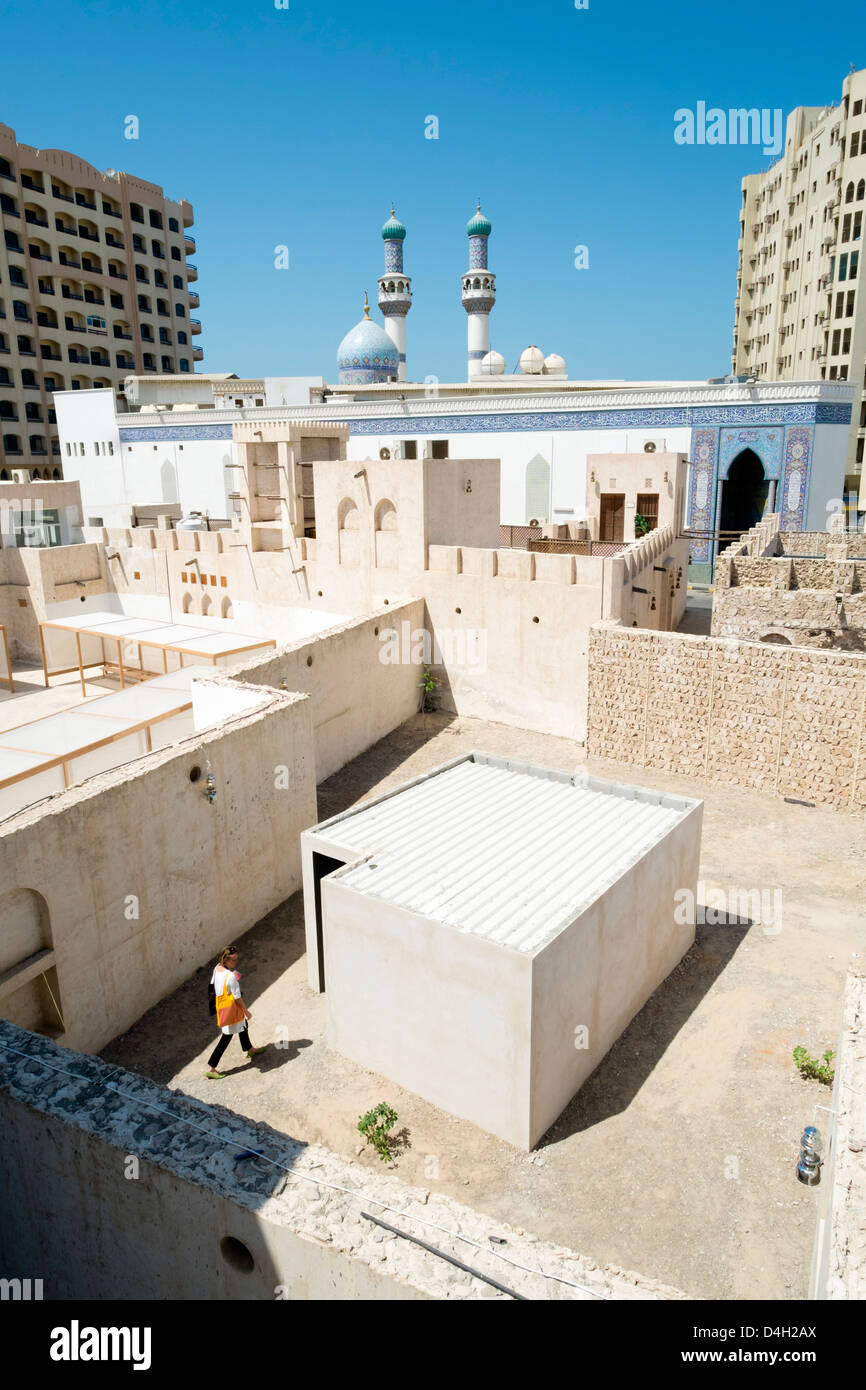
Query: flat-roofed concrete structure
point(484, 933)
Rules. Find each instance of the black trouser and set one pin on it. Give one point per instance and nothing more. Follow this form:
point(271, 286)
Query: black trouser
point(243, 1038)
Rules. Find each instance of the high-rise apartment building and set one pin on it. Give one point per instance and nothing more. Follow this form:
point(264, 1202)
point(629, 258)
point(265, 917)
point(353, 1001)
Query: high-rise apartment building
point(94, 285)
point(800, 308)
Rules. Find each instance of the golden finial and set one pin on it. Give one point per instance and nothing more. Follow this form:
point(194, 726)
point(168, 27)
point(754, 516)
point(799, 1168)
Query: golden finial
point(478, 209)
point(366, 306)
point(393, 213)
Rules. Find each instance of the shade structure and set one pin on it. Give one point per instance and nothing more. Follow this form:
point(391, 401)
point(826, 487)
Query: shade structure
point(61, 750)
point(137, 648)
point(5, 663)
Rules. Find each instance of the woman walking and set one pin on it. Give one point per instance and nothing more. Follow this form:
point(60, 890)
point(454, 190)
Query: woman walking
point(232, 1012)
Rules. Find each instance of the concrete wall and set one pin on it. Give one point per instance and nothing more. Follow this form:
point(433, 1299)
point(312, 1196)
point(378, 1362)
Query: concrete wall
point(839, 1255)
point(357, 698)
point(39, 583)
point(126, 1190)
point(143, 881)
point(601, 970)
point(783, 720)
point(442, 1012)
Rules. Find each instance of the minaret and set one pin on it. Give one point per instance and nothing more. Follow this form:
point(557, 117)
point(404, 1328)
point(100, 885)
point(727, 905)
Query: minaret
point(395, 288)
point(479, 290)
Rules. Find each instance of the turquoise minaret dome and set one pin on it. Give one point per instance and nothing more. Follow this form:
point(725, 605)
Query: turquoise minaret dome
point(478, 224)
point(393, 229)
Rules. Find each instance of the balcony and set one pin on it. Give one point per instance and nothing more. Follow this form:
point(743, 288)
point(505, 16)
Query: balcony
point(82, 202)
point(32, 220)
point(27, 182)
point(67, 294)
point(127, 363)
point(75, 356)
point(93, 298)
point(60, 226)
point(100, 332)
point(197, 354)
point(88, 236)
point(47, 320)
point(118, 245)
point(64, 197)
point(49, 356)
point(64, 260)
point(189, 244)
point(191, 271)
point(194, 300)
point(195, 325)
point(118, 334)
point(117, 274)
point(38, 255)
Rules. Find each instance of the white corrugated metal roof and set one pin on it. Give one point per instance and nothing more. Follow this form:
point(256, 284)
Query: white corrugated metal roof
point(511, 854)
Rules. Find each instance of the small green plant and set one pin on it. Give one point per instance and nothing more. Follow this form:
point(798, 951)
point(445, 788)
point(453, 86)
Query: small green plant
point(814, 1068)
point(428, 685)
point(376, 1128)
point(641, 524)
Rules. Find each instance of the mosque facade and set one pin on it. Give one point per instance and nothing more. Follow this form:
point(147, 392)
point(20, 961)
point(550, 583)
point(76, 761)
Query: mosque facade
point(752, 446)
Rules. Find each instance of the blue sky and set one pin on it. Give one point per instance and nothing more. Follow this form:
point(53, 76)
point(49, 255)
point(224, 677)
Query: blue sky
point(299, 126)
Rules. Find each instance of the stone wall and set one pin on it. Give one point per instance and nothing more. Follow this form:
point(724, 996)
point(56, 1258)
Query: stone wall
point(125, 1190)
point(782, 720)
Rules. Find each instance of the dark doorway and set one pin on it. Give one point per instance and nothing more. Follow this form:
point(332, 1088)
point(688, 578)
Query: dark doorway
point(322, 864)
point(611, 517)
point(744, 493)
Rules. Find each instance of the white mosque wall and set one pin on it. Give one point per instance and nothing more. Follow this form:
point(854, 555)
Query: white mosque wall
point(565, 452)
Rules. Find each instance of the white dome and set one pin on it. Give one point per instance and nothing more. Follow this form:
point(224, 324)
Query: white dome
point(554, 365)
point(492, 364)
point(532, 360)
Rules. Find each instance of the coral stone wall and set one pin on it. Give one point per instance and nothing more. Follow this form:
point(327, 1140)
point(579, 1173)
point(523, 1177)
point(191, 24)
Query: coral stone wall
point(784, 720)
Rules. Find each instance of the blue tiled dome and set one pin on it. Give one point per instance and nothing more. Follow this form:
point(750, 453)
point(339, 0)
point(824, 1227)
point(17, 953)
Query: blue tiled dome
point(368, 349)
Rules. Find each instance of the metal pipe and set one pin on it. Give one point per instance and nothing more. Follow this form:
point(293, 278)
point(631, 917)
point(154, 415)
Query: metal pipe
point(485, 1278)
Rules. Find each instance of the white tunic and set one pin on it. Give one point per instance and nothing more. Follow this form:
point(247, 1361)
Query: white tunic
point(234, 985)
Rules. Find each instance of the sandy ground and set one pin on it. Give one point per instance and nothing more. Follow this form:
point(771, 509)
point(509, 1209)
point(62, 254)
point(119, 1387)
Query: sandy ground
point(677, 1157)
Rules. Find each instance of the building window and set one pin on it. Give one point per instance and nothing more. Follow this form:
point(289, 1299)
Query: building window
point(180, 311)
point(439, 449)
point(184, 365)
point(173, 224)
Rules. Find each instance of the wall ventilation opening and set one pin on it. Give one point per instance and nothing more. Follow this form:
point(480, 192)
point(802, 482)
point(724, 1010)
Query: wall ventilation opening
point(236, 1254)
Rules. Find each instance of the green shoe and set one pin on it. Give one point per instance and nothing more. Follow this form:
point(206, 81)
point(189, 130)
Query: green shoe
point(254, 1051)
point(214, 1075)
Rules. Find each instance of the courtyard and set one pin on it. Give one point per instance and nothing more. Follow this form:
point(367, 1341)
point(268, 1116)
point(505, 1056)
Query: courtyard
point(676, 1159)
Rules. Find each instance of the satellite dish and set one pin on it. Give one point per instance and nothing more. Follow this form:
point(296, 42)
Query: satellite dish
point(384, 453)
